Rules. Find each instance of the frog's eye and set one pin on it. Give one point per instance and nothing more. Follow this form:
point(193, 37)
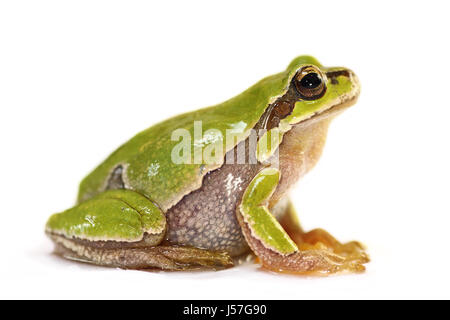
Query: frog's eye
point(309, 83)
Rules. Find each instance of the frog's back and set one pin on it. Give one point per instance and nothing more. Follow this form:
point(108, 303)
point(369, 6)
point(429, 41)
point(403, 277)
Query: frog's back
point(145, 160)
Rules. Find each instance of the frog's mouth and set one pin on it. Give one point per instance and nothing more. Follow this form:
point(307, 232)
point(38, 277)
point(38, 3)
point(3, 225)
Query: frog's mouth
point(339, 104)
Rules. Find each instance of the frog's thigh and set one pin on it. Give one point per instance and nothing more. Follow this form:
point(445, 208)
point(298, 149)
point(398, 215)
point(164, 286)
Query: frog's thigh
point(121, 228)
point(272, 244)
point(319, 238)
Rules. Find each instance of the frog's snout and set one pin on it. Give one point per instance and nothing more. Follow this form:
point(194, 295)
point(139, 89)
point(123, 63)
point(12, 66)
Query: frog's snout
point(333, 79)
point(355, 82)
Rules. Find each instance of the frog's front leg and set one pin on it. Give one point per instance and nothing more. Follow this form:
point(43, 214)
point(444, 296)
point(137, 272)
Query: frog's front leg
point(122, 228)
point(271, 243)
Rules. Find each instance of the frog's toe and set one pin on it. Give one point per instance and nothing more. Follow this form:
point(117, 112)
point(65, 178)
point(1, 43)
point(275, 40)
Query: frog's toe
point(353, 251)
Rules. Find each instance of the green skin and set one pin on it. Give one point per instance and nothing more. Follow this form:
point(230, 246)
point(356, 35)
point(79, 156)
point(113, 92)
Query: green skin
point(117, 219)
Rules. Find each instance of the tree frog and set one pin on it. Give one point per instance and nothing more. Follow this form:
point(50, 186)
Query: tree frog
point(144, 208)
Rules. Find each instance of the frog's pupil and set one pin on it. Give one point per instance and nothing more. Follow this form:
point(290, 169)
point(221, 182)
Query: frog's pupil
point(311, 81)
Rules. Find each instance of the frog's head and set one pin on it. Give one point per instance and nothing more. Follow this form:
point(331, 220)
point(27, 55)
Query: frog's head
point(313, 91)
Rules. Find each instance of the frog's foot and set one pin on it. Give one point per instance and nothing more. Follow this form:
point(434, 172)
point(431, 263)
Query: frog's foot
point(320, 239)
point(121, 228)
point(139, 255)
point(272, 244)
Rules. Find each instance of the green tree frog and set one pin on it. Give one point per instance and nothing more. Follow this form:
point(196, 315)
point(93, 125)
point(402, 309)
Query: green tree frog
point(158, 202)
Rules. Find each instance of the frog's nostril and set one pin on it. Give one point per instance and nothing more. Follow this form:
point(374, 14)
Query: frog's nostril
point(333, 75)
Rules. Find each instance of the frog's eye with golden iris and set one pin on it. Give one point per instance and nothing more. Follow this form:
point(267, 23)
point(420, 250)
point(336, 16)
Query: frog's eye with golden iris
point(310, 83)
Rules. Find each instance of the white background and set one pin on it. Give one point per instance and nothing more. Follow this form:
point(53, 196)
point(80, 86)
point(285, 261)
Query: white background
point(78, 78)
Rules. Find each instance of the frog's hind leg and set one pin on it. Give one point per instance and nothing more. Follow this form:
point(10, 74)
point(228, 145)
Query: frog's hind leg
point(319, 238)
point(139, 256)
point(122, 228)
point(275, 248)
